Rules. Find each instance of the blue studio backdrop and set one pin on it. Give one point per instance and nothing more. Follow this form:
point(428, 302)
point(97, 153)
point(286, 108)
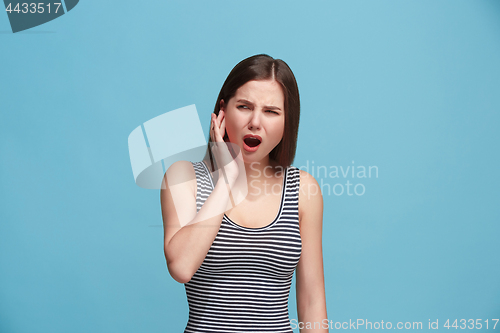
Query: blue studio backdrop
point(406, 90)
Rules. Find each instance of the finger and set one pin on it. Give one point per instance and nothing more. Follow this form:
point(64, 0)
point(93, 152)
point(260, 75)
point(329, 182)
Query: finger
point(214, 128)
point(219, 118)
point(212, 125)
point(223, 127)
point(223, 116)
point(217, 133)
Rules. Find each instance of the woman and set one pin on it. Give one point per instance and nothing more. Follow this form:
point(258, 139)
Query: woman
point(237, 267)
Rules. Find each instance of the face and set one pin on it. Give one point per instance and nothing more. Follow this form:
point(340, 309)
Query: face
point(257, 109)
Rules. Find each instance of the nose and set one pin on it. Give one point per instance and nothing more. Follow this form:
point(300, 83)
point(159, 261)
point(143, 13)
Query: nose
point(254, 122)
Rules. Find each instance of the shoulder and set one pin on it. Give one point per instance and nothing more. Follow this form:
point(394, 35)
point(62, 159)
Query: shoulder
point(310, 196)
point(308, 184)
point(180, 172)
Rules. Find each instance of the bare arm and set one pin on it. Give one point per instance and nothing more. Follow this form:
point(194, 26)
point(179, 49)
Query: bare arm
point(310, 284)
point(188, 235)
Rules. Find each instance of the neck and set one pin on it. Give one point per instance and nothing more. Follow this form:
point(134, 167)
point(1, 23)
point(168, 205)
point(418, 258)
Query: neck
point(261, 170)
point(265, 171)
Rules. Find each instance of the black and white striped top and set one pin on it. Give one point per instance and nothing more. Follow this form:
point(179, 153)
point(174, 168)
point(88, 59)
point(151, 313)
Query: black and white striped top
point(244, 282)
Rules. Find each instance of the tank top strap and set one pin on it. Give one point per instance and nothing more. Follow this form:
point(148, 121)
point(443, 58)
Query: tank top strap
point(291, 202)
point(293, 182)
point(203, 184)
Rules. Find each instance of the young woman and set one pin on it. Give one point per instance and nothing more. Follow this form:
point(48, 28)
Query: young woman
point(237, 266)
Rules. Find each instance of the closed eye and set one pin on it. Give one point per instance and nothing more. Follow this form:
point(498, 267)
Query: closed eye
point(272, 111)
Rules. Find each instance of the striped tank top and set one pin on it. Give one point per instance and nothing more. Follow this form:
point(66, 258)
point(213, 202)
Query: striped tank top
point(244, 282)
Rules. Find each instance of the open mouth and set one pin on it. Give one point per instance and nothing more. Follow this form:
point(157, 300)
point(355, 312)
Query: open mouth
point(251, 142)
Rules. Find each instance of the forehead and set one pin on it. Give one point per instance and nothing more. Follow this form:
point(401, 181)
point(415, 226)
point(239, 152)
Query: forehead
point(261, 92)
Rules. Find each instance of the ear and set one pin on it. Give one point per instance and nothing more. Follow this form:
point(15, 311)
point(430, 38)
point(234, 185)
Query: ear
point(222, 105)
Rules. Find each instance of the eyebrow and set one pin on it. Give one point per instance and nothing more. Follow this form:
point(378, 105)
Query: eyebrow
point(270, 107)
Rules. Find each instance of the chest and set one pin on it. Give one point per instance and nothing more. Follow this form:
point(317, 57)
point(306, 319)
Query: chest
point(257, 213)
point(272, 253)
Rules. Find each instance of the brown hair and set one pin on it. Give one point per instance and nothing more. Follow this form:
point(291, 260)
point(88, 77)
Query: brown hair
point(264, 67)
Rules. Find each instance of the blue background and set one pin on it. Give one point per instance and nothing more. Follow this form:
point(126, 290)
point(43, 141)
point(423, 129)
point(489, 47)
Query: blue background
point(412, 87)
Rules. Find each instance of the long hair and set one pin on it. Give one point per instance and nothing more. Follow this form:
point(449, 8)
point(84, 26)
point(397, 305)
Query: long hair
point(264, 67)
